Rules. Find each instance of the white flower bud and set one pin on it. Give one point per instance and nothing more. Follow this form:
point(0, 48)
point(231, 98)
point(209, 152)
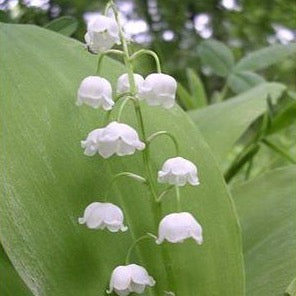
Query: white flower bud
point(99, 215)
point(102, 34)
point(128, 279)
point(115, 138)
point(96, 92)
point(178, 171)
point(159, 90)
point(177, 227)
point(123, 83)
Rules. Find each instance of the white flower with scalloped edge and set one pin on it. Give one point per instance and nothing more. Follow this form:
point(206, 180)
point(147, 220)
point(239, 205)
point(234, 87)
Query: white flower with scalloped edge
point(116, 138)
point(177, 227)
point(123, 85)
point(126, 279)
point(99, 215)
point(102, 34)
point(178, 171)
point(159, 90)
point(96, 92)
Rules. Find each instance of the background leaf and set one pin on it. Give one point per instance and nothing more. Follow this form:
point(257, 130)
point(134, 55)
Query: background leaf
point(244, 80)
point(217, 56)
point(46, 182)
point(65, 25)
point(291, 290)
point(265, 57)
point(222, 124)
point(266, 206)
point(196, 89)
point(11, 284)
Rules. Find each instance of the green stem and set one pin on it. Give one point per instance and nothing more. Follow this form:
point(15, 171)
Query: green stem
point(136, 103)
point(125, 174)
point(126, 100)
point(103, 54)
point(178, 198)
point(148, 52)
point(278, 150)
point(129, 252)
point(160, 133)
point(162, 194)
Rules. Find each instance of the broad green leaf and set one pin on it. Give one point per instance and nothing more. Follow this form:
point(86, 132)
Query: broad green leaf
point(10, 284)
point(265, 57)
point(217, 56)
point(266, 208)
point(291, 290)
point(196, 89)
point(242, 81)
point(46, 182)
point(184, 97)
point(65, 25)
point(222, 124)
point(284, 118)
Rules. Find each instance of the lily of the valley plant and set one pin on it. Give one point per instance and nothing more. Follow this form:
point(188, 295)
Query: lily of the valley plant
point(118, 138)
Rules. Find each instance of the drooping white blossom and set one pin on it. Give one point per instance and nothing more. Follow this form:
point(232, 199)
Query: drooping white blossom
point(123, 83)
point(96, 92)
point(100, 215)
point(159, 90)
point(102, 34)
point(130, 278)
point(177, 227)
point(178, 171)
point(116, 138)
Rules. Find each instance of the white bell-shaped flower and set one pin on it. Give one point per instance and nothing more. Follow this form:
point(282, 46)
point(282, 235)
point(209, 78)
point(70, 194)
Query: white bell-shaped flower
point(123, 83)
point(102, 34)
point(128, 279)
point(159, 90)
point(177, 227)
point(178, 171)
point(96, 92)
point(100, 215)
point(115, 138)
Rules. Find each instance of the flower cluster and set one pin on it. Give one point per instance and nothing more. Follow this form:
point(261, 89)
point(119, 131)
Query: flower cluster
point(117, 138)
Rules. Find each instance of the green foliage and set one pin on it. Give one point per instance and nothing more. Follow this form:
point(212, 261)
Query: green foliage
point(240, 77)
point(65, 25)
point(266, 207)
point(291, 290)
point(11, 284)
point(196, 97)
point(265, 57)
point(222, 124)
point(47, 182)
point(217, 56)
point(240, 82)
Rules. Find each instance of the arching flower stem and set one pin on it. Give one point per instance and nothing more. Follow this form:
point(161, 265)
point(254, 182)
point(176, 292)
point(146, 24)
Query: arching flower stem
point(163, 193)
point(160, 133)
point(125, 101)
point(129, 252)
point(126, 174)
point(103, 54)
point(147, 52)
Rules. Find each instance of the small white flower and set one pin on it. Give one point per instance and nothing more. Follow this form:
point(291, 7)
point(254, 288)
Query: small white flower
point(159, 90)
point(128, 279)
point(176, 227)
point(102, 34)
point(115, 138)
point(123, 83)
point(178, 171)
point(96, 92)
point(100, 215)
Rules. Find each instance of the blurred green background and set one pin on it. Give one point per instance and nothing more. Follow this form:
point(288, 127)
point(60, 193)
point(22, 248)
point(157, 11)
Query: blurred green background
point(175, 28)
